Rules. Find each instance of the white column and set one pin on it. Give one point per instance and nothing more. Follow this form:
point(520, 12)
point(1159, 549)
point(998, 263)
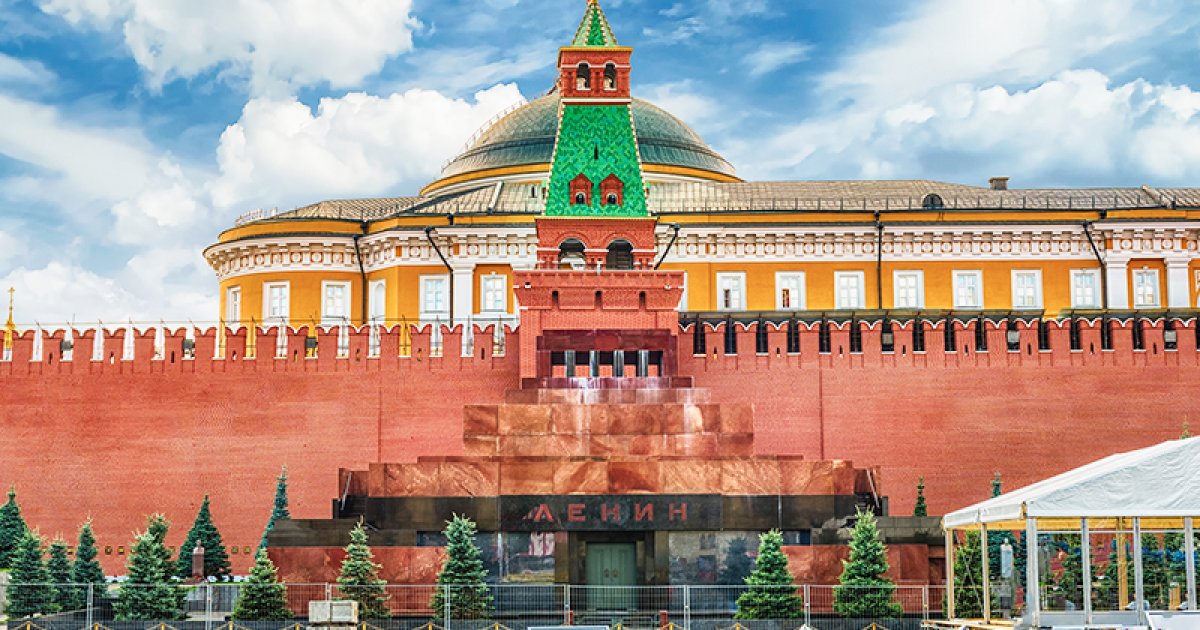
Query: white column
point(1189, 547)
point(464, 292)
point(987, 575)
point(1033, 587)
point(950, 612)
point(1118, 282)
point(1139, 587)
point(1179, 293)
point(1085, 552)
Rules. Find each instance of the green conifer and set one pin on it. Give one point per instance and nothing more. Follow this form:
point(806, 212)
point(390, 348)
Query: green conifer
point(280, 509)
point(30, 592)
point(772, 594)
point(149, 594)
point(968, 578)
point(86, 570)
point(59, 569)
point(737, 565)
point(204, 532)
point(12, 528)
point(863, 590)
point(359, 578)
point(997, 485)
point(920, 509)
point(463, 573)
point(262, 597)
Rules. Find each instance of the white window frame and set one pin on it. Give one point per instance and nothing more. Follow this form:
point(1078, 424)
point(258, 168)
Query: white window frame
point(498, 282)
point(1097, 287)
point(797, 278)
point(839, 303)
point(920, 293)
point(268, 317)
point(331, 319)
point(1036, 274)
point(974, 273)
point(233, 305)
point(738, 278)
point(1152, 275)
point(444, 312)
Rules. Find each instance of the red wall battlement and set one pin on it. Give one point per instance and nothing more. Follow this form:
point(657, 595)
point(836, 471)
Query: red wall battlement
point(119, 439)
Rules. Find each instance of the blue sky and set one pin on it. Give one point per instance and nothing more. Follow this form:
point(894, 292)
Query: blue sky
point(135, 130)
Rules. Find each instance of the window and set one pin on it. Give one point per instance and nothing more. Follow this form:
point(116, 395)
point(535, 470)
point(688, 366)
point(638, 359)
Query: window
point(435, 296)
point(620, 255)
point(1043, 336)
point(583, 77)
point(1145, 288)
point(1106, 331)
point(731, 291)
point(950, 336)
point(730, 337)
point(981, 344)
point(918, 336)
point(968, 289)
point(1027, 289)
point(933, 202)
point(275, 306)
point(887, 337)
point(855, 337)
point(824, 339)
point(789, 290)
point(1076, 337)
point(909, 289)
point(233, 305)
point(493, 293)
point(571, 254)
point(793, 337)
point(335, 303)
point(761, 341)
point(1085, 288)
point(580, 199)
point(699, 344)
point(610, 76)
point(1139, 335)
point(850, 290)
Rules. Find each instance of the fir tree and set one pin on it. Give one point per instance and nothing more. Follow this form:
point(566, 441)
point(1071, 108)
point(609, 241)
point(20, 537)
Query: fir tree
point(148, 593)
point(1069, 584)
point(997, 485)
point(12, 528)
point(1187, 433)
point(280, 510)
point(772, 594)
point(204, 532)
point(920, 509)
point(359, 579)
point(30, 591)
point(263, 597)
point(864, 590)
point(86, 570)
point(968, 578)
point(58, 567)
point(463, 573)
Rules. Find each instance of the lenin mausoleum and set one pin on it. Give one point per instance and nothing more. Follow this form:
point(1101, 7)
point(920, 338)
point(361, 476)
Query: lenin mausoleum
point(620, 359)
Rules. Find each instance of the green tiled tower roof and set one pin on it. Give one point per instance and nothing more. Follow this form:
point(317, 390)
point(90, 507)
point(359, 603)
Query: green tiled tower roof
point(594, 31)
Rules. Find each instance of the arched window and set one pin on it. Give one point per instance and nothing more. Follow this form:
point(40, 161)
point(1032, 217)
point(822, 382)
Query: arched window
point(571, 254)
point(620, 255)
point(611, 199)
point(583, 77)
point(610, 76)
point(933, 202)
point(581, 199)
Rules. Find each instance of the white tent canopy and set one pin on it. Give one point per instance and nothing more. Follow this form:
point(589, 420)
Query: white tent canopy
point(1159, 481)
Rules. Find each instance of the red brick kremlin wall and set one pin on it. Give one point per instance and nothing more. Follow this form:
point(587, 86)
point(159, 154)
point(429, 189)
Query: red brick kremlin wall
point(116, 440)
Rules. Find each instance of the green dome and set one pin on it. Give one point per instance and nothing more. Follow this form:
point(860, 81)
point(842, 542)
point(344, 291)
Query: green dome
point(526, 136)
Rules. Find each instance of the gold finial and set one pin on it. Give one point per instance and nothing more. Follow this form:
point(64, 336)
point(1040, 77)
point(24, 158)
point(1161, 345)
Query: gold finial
point(12, 291)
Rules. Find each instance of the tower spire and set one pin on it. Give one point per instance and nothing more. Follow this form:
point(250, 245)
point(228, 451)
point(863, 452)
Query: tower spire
point(594, 31)
point(9, 326)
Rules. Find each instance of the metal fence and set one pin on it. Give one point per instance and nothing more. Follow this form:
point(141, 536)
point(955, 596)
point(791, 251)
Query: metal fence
point(210, 606)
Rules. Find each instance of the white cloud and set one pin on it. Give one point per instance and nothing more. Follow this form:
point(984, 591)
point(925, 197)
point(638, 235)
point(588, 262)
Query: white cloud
point(275, 44)
point(23, 71)
point(280, 152)
point(11, 248)
point(772, 56)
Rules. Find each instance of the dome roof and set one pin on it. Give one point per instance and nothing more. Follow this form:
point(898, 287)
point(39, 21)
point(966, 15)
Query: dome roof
point(526, 137)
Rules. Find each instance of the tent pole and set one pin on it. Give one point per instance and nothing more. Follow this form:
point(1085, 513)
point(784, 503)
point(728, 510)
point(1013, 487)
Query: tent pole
point(1033, 586)
point(950, 574)
point(987, 577)
point(1085, 552)
point(1189, 545)
point(1139, 588)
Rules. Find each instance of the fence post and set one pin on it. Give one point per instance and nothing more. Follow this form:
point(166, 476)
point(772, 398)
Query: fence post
point(687, 606)
point(446, 607)
point(807, 606)
point(925, 602)
point(91, 598)
point(567, 620)
point(208, 606)
point(328, 591)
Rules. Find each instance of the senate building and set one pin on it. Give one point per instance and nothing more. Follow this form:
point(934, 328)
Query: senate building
point(622, 360)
